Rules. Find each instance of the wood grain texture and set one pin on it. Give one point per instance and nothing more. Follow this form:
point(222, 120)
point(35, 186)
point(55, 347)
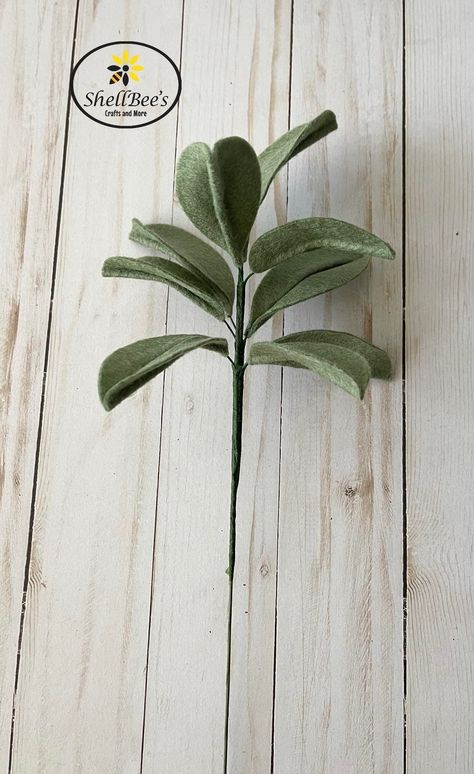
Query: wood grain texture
point(266, 37)
point(439, 386)
point(131, 509)
point(339, 678)
point(239, 66)
point(82, 679)
point(32, 138)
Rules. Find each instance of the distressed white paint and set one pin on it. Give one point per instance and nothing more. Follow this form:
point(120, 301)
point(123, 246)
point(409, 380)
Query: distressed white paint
point(339, 679)
point(82, 679)
point(440, 382)
point(320, 516)
point(32, 139)
point(187, 660)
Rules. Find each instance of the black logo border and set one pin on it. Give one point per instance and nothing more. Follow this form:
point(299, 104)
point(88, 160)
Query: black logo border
point(133, 43)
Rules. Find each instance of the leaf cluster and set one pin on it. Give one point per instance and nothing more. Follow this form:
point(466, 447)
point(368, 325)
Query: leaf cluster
point(220, 190)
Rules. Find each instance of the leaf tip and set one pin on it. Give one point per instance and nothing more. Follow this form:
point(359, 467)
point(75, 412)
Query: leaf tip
point(331, 119)
point(107, 268)
point(388, 252)
point(136, 224)
point(104, 394)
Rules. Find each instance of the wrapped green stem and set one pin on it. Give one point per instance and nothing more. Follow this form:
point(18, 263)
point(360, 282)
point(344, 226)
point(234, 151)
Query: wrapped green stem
point(238, 369)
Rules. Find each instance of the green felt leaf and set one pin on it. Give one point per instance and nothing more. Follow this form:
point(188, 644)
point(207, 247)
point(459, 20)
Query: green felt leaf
point(291, 143)
point(219, 190)
point(129, 368)
point(237, 191)
point(378, 360)
point(348, 369)
point(300, 278)
point(194, 254)
point(195, 193)
point(161, 270)
point(299, 236)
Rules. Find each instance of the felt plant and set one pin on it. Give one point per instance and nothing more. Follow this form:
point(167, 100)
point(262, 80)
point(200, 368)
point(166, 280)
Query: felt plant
point(221, 190)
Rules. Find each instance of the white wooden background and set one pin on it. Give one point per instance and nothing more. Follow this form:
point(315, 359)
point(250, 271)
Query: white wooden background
point(113, 532)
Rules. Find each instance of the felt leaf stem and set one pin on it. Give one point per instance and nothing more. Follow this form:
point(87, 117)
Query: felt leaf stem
point(300, 236)
point(129, 368)
point(220, 190)
point(345, 360)
point(195, 255)
point(197, 289)
point(300, 278)
point(290, 144)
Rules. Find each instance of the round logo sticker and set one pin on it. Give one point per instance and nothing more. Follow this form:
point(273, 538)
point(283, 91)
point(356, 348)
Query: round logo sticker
point(125, 84)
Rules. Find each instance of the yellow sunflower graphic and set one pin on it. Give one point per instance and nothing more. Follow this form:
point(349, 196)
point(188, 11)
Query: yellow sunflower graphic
point(125, 68)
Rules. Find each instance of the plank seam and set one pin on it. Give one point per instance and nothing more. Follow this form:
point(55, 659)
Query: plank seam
point(155, 526)
point(404, 413)
point(43, 398)
point(275, 629)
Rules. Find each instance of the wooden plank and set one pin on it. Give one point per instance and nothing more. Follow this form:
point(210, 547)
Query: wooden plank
point(251, 705)
point(242, 80)
point(81, 689)
point(32, 136)
point(339, 675)
point(439, 386)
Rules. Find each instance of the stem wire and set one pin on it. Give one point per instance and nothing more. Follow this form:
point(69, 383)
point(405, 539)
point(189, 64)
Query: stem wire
point(238, 368)
point(231, 329)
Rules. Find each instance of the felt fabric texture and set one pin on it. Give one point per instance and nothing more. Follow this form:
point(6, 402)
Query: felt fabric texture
point(300, 278)
point(300, 236)
point(348, 369)
point(205, 295)
point(129, 368)
point(273, 158)
point(191, 252)
point(194, 191)
point(219, 191)
point(344, 359)
point(377, 359)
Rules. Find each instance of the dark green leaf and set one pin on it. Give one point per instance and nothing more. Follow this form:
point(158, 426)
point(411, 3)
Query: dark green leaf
point(299, 236)
point(347, 369)
point(161, 270)
point(194, 254)
point(127, 369)
point(301, 278)
point(219, 190)
point(291, 143)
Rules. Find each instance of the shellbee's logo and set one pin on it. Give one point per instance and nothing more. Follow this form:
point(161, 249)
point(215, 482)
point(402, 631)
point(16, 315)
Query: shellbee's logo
point(125, 84)
point(125, 67)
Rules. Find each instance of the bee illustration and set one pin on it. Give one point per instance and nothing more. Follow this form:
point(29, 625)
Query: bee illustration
point(119, 73)
point(125, 68)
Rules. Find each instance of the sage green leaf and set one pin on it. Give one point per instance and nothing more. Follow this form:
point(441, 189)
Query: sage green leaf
point(219, 191)
point(347, 369)
point(377, 359)
point(161, 270)
point(129, 368)
point(237, 191)
point(195, 193)
point(273, 158)
point(299, 236)
point(301, 278)
point(194, 254)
